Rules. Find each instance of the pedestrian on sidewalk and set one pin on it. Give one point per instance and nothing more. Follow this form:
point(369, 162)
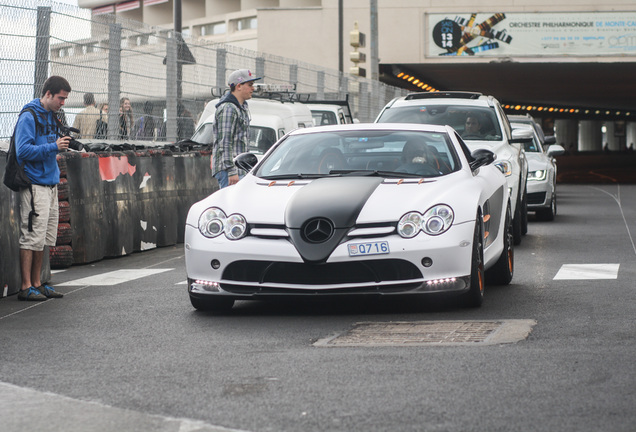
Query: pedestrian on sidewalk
point(37, 145)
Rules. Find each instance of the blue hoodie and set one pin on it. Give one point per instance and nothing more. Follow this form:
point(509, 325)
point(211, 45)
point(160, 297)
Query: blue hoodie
point(38, 149)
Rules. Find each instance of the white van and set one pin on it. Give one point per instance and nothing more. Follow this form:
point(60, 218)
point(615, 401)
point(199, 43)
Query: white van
point(270, 120)
point(330, 112)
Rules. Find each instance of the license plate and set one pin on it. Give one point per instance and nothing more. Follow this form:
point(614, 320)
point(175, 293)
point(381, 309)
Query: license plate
point(371, 248)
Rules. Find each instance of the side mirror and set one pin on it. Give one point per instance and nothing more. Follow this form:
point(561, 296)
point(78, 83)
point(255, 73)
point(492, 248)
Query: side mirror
point(555, 150)
point(521, 136)
point(549, 140)
point(245, 161)
point(481, 157)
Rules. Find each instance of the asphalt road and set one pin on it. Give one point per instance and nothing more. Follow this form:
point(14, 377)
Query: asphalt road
point(123, 354)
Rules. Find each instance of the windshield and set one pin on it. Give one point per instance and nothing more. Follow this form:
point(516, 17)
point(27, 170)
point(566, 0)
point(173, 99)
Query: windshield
point(322, 118)
point(472, 123)
point(533, 146)
point(383, 153)
point(260, 139)
point(204, 134)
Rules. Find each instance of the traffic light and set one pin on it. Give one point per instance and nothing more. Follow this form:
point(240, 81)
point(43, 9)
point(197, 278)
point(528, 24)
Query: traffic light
point(357, 39)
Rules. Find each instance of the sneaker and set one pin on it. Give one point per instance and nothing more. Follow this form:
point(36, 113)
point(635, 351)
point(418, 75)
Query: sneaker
point(31, 294)
point(49, 292)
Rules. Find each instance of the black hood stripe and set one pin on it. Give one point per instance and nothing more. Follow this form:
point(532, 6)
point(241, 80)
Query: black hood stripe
point(338, 199)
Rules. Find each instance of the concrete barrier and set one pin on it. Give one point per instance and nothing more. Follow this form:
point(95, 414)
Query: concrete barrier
point(111, 204)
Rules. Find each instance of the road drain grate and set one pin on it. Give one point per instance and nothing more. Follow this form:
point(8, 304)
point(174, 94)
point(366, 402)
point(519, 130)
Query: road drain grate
point(431, 333)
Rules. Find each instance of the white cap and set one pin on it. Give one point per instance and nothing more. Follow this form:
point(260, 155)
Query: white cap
point(241, 76)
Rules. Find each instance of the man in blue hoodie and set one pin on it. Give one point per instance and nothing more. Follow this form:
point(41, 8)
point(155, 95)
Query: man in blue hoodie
point(37, 146)
point(231, 127)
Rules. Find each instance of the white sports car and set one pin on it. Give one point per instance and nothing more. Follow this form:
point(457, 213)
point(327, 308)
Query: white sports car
point(542, 171)
point(383, 209)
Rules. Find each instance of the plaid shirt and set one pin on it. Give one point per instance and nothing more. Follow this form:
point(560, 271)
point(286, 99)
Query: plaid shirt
point(231, 131)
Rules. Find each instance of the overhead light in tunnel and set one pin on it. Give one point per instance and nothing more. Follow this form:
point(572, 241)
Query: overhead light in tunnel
point(417, 82)
point(608, 114)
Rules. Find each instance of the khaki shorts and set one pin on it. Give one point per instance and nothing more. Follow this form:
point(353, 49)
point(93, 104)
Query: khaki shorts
point(45, 224)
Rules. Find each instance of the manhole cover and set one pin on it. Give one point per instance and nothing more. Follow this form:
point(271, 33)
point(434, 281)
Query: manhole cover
point(436, 333)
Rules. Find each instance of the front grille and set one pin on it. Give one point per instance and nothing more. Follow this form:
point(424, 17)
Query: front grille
point(371, 289)
point(536, 198)
point(354, 272)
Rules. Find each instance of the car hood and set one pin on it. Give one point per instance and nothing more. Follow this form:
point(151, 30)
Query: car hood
point(537, 161)
point(346, 200)
point(340, 202)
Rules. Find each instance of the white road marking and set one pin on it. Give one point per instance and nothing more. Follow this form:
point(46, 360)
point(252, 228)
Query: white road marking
point(185, 282)
point(53, 414)
point(587, 271)
point(114, 277)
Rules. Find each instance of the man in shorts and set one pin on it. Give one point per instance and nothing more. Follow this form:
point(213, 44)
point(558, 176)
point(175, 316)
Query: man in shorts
point(37, 145)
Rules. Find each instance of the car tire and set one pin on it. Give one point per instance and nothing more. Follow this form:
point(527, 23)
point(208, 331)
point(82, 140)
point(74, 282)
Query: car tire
point(548, 213)
point(501, 273)
point(217, 304)
point(475, 295)
point(524, 214)
point(516, 226)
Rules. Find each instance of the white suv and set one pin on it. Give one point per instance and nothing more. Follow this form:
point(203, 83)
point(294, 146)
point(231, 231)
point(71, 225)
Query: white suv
point(482, 124)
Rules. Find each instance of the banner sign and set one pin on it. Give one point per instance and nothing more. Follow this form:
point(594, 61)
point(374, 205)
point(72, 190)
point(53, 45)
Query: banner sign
point(531, 34)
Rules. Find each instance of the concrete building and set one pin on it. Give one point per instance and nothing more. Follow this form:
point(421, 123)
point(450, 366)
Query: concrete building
point(575, 56)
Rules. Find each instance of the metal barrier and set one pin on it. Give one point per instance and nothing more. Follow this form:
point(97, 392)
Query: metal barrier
point(115, 58)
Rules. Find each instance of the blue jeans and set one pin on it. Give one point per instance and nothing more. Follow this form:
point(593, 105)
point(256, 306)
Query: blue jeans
point(222, 178)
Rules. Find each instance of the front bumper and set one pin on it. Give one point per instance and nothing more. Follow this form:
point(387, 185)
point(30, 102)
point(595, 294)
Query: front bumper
point(539, 195)
point(255, 266)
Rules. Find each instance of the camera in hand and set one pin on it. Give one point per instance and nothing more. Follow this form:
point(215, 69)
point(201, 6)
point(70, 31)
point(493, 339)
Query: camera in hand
point(65, 131)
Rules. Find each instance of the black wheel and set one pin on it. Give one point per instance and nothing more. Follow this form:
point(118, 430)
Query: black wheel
point(64, 234)
point(524, 214)
point(64, 211)
point(62, 190)
point(516, 224)
point(501, 273)
point(216, 304)
point(475, 295)
point(60, 256)
point(549, 213)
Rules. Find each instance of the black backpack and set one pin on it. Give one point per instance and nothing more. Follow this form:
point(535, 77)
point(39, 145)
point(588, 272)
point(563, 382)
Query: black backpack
point(14, 176)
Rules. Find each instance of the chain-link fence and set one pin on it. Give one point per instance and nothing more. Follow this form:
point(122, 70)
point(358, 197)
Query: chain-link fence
point(166, 78)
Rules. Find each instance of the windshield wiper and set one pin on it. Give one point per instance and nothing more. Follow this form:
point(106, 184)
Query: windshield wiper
point(292, 176)
point(374, 173)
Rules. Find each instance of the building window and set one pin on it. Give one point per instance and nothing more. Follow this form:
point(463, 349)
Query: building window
point(213, 29)
point(246, 24)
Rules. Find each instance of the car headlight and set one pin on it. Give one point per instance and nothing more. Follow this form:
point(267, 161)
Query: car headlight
point(435, 221)
point(538, 175)
point(235, 227)
point(213, 222)
point(505, 167)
